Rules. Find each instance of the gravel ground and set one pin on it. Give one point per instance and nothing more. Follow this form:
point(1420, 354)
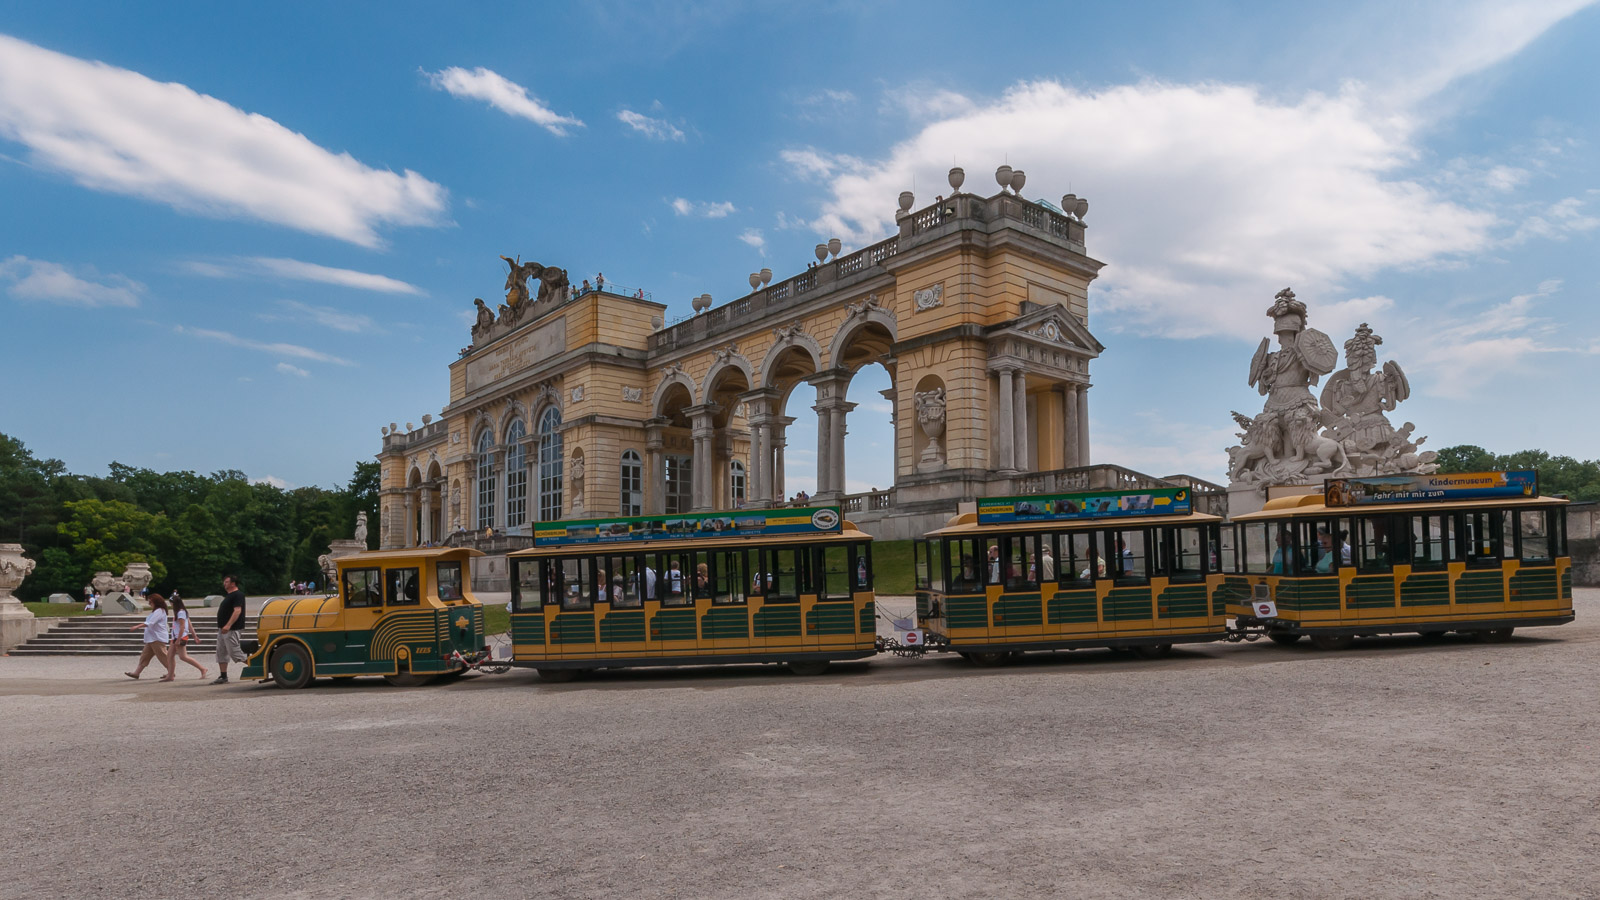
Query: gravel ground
point(1396, 769)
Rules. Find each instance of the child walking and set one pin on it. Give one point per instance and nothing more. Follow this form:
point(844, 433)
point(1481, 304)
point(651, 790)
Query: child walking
point(182, 634)
point(157, 632)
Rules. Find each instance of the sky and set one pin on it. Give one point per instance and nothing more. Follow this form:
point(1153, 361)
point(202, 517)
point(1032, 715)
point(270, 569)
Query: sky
point(247, 236)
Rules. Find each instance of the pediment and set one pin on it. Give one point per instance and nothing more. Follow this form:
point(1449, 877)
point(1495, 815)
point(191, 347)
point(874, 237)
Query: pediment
point(1053, 325)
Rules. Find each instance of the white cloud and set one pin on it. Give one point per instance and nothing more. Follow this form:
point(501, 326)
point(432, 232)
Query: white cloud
point(322, 316)
point(1556, 222)
point(923, 102)
point(294, 351)
point(273, 480)
point(114, 130)
point(501, 93)
point(1464, 361)
point(753, 237)
point(36, 279)
point(287, 369)
point(655, 129)
point(705, 208)
point(296, 270)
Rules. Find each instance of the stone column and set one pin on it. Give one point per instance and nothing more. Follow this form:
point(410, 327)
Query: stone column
point(1019, 421)
point(836, 460)
point(1069, 425)
point(1005, 430)
point(703, 491)
point(824, 446)
point(410, 512)
point(831, 386)
point(893, 397)
point(758, 487)
point(1083, 425)
point(780, 442)
point(655, 475)
point(427, 513)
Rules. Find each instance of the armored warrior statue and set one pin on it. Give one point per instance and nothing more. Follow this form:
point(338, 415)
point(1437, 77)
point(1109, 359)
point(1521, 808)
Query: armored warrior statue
point(1281, 444)
point(1354, 402)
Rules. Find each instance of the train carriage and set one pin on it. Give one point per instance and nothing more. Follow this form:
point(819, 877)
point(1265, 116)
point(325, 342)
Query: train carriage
point(1480, 553)
point(790, 586)
point(408, 615)
point(1135, 570)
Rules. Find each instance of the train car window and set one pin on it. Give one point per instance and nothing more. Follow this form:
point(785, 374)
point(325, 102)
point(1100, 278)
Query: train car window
point(991, 559)
point(447, 575)
point(675, 579)
point(1047, 571)
point(361, 589)
point(1224, 552)
point(1078, 562)
point(861, 572)
point(783, 574)
point(1267, 548)
point(835, 572)
point(624, 588)
point(1374, 547)
point(963, 559)
point(646, 578)
point(1130, 558)
point(731, 577)
point(1433, 541)
point(1558, 516)
point(1183, 558)
point(1020, 556)
point(1534, 536)
point(1509, 535)
point(577, 583)
point(701, 582)
point(921, 551)
point(402, 587)
point(525, 585)
point(1480, 537)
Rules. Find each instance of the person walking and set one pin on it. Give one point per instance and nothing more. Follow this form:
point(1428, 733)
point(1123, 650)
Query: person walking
point(230, 621)
point(157, 632)
point(182, 634)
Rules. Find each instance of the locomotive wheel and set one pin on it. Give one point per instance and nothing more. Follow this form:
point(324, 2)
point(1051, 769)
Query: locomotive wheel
point(1494, 635)
point(1152, 651)
point(1332, 641)
point(807, 668)
point(408, 679)
point(988, 660)
point(558, 676)
point(1283, 637)
point(291, 667)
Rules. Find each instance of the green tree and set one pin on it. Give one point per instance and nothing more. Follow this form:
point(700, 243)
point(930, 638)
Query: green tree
point(107, 535)
point(362, 496)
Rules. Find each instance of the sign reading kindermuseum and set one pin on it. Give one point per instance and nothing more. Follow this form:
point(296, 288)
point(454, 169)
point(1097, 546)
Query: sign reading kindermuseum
point(740, 523)
point(1423, 488)
point(1086, 505)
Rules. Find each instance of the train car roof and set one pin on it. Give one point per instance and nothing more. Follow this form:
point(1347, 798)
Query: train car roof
point(1314, 505)
point(967, 524)
point(412, 553)
point(621, 548)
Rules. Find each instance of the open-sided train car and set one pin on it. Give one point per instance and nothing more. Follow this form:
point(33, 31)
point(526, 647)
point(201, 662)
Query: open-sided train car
point(1481, 553)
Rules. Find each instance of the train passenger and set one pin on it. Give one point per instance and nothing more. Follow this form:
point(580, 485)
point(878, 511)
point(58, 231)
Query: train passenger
point(1047, 564)
point(1282, 557)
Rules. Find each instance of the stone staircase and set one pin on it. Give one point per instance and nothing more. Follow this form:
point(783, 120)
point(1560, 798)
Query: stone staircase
point(110, 636)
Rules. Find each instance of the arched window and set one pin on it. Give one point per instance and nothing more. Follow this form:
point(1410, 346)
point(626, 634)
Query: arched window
point(485, 480)
point(516, 475)
point(632, 484)
point(550, 463)
point(736, 483)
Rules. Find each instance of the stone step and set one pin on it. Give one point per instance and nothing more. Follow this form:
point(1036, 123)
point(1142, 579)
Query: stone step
point(114, 636)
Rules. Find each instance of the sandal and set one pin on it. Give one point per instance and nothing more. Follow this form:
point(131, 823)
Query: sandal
point(169, 678)
point(131, 675)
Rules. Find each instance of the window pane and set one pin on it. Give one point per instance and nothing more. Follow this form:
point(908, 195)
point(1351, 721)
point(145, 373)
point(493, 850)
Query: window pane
point(551, 463)
point(675, 582)
point(679, 484)
point(400, 589)
point(486, 481)
point(1534, 530)
point(632, 490)
point(1372, 546)
point(920, 551)
point(783, 576)
point(835, 572)
point(1080, 563)
point(526, 590)
point(516, 475)
point(702, 586)
point(448, 575)
point(1131, 556)
point(1022, 562)
point(1182, 555)
point(362, 589)
point(863, 569)
point(965, 572)
point(577, 583)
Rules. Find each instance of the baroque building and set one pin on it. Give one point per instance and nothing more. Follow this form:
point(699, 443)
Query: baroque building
point(585, 402)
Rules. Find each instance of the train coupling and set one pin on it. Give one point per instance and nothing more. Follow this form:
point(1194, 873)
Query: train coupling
point(912, 642)
point(481, 661)
point(1246, 629)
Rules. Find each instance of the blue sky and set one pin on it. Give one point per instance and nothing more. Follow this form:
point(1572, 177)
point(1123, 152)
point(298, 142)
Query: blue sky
point(247, 236)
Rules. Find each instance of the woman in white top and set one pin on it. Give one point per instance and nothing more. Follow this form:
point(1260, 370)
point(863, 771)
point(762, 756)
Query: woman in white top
point(182, 634)
point(156, 634)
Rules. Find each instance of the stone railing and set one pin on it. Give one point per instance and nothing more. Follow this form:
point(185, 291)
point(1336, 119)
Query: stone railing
point(496, 543)
point(1085, 478)
point(401, 441)
point(871, 501)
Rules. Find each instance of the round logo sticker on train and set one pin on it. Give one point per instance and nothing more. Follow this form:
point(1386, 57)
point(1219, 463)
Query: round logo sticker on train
point(825, 519)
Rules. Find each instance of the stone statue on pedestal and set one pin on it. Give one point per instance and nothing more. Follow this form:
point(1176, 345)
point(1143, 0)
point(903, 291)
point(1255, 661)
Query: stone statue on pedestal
point(575, 479)
point(17, 623)
point(930, 418)
point(361, 527)
point(1297, 440)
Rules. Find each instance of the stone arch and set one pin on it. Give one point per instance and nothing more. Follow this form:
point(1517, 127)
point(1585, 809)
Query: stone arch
point(719, 368)
point(435, 468)
point(785, 353)
point(865, 337)
point(482, 422)
point(413, 474)
point(514, 409)
point(674, 376)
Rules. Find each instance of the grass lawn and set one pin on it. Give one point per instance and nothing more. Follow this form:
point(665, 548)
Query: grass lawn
point(496, 619)
point(59, 609)
point(891, 568)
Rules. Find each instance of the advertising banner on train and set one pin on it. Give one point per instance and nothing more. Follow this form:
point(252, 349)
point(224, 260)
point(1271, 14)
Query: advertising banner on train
point(1424, 488)
point(1086, 505)
point(741, 523)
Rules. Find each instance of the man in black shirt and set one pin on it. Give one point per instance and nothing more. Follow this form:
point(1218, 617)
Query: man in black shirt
point(230, 622)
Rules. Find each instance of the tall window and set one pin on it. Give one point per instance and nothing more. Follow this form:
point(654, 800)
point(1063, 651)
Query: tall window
point(632, 484)
point(550, 462)
point(680, 484)
point(736, 483)
point(516, 475)
point(485, 480)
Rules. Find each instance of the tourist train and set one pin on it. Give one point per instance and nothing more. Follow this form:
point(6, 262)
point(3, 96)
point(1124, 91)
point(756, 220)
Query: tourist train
point(1138, 571)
